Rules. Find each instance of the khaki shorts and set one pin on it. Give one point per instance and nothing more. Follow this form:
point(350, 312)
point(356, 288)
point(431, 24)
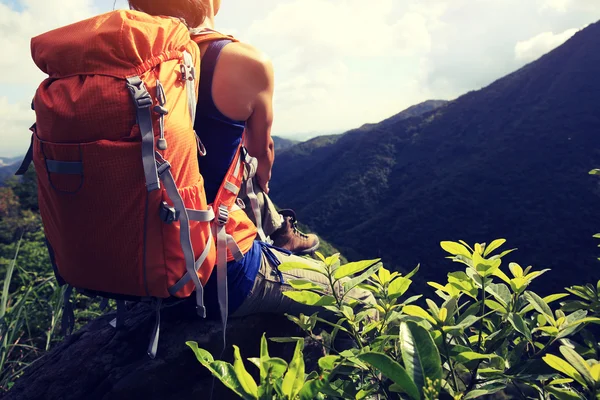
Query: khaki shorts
point(267, 296)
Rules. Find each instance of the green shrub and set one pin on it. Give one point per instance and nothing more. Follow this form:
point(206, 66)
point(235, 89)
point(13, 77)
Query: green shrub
point(485, 333)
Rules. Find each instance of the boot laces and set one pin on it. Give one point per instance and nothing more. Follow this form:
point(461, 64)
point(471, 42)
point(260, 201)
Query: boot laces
point(297, 231)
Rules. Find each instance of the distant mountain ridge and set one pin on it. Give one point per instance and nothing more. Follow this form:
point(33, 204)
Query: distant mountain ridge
point(8, 167)
point(283, 143)
point(411, 112)
point(510, 160)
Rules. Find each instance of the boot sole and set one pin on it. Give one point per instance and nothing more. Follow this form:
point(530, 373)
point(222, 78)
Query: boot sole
point(310, 251)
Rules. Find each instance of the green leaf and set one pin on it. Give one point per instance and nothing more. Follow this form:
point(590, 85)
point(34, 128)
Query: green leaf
point(226, 374)
point(450, 305)
point(467, 322)
point(485, 390)
point(420, 355)
point(203, 356)
point(468, 356)
point(563, 394)
point(494, 305)
point(312, 387)
point(327, 363)
point(515, 269)
point(245, 379)
point(502, 276)
point(7, 280)
point(594, 320)
point(417, 311)
point(308, 298)
point(461, 281)
point(443, 314)
point(275, 367)
point(579, 364)
point(563, 367)
point(456, 249)
point(354, 268)
point(392, 370)
point(500, 292)
point(595, 172)
point(221, 370)
point(294, 377)
point(561, 381)
point(433, 308)
point(295, 265)
point(493, 246)
point(352, 283)
point(548, 299)
point(264, 356)
point(413, 272)
point(540, 305)
point(302, 284)
point(285, 339)
point(485, 267)
point(398, 287)
point(520, 326)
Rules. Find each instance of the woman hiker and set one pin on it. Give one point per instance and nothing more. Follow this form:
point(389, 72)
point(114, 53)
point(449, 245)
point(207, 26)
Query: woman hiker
point(235, 98)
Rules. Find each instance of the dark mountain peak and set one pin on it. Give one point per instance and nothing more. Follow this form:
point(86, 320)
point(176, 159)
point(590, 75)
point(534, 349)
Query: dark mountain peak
point(413, 111)
point(509, 160)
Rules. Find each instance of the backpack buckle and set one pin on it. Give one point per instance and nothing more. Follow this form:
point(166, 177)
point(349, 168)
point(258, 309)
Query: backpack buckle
point(188, 72)
point(168, 214)
point(140, 94)
point(223, 215)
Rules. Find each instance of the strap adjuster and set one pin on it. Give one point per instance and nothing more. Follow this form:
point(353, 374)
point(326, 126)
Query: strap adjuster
point(163, 167)
point(223, 215)
point(168, 214)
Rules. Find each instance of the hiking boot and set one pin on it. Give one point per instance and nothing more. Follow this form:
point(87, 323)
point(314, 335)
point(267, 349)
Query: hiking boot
point(290, 238)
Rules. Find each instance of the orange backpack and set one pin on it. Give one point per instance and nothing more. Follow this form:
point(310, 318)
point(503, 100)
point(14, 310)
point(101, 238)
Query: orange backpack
point(120, 192)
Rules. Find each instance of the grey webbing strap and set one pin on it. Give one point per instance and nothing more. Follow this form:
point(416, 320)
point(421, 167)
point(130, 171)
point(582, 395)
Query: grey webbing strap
point(185, 237)
point(231, 187)
point(239, 164)
point(65, 167)
point(143, 101)
point(201, 216)
point(121, 312)
point(234, 248)
point(103, 303)
point(186, 278)
point(27, 160)
point(68, 318)
point(189, 83)
point(222, 277)
point(153, 346)
point(251, 165)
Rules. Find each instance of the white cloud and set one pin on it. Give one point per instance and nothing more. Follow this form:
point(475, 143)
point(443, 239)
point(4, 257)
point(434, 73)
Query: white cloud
point(531, 49)
point(331, 58)
point(563, 6)
point(338, 63)
point(18, 27)
point(15, 120)
point(19, 76)
point(555, 5)
point(345, 27)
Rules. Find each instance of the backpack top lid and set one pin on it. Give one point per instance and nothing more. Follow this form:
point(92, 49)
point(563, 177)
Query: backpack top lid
point(119, 43)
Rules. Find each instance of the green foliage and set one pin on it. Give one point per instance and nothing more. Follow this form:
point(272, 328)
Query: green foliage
point(31, 301)
point(485, 332)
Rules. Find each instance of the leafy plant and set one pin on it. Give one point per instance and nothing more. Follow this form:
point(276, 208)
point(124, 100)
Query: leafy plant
point(486, 332)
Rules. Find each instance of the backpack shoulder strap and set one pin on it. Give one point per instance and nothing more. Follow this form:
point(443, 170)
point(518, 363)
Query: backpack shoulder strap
point(209, 35)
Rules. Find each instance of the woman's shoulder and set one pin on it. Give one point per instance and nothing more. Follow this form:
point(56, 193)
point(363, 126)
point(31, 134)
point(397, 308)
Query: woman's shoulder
point(245, 54)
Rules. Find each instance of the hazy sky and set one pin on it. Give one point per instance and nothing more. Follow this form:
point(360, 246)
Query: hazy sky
point(338, 63)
